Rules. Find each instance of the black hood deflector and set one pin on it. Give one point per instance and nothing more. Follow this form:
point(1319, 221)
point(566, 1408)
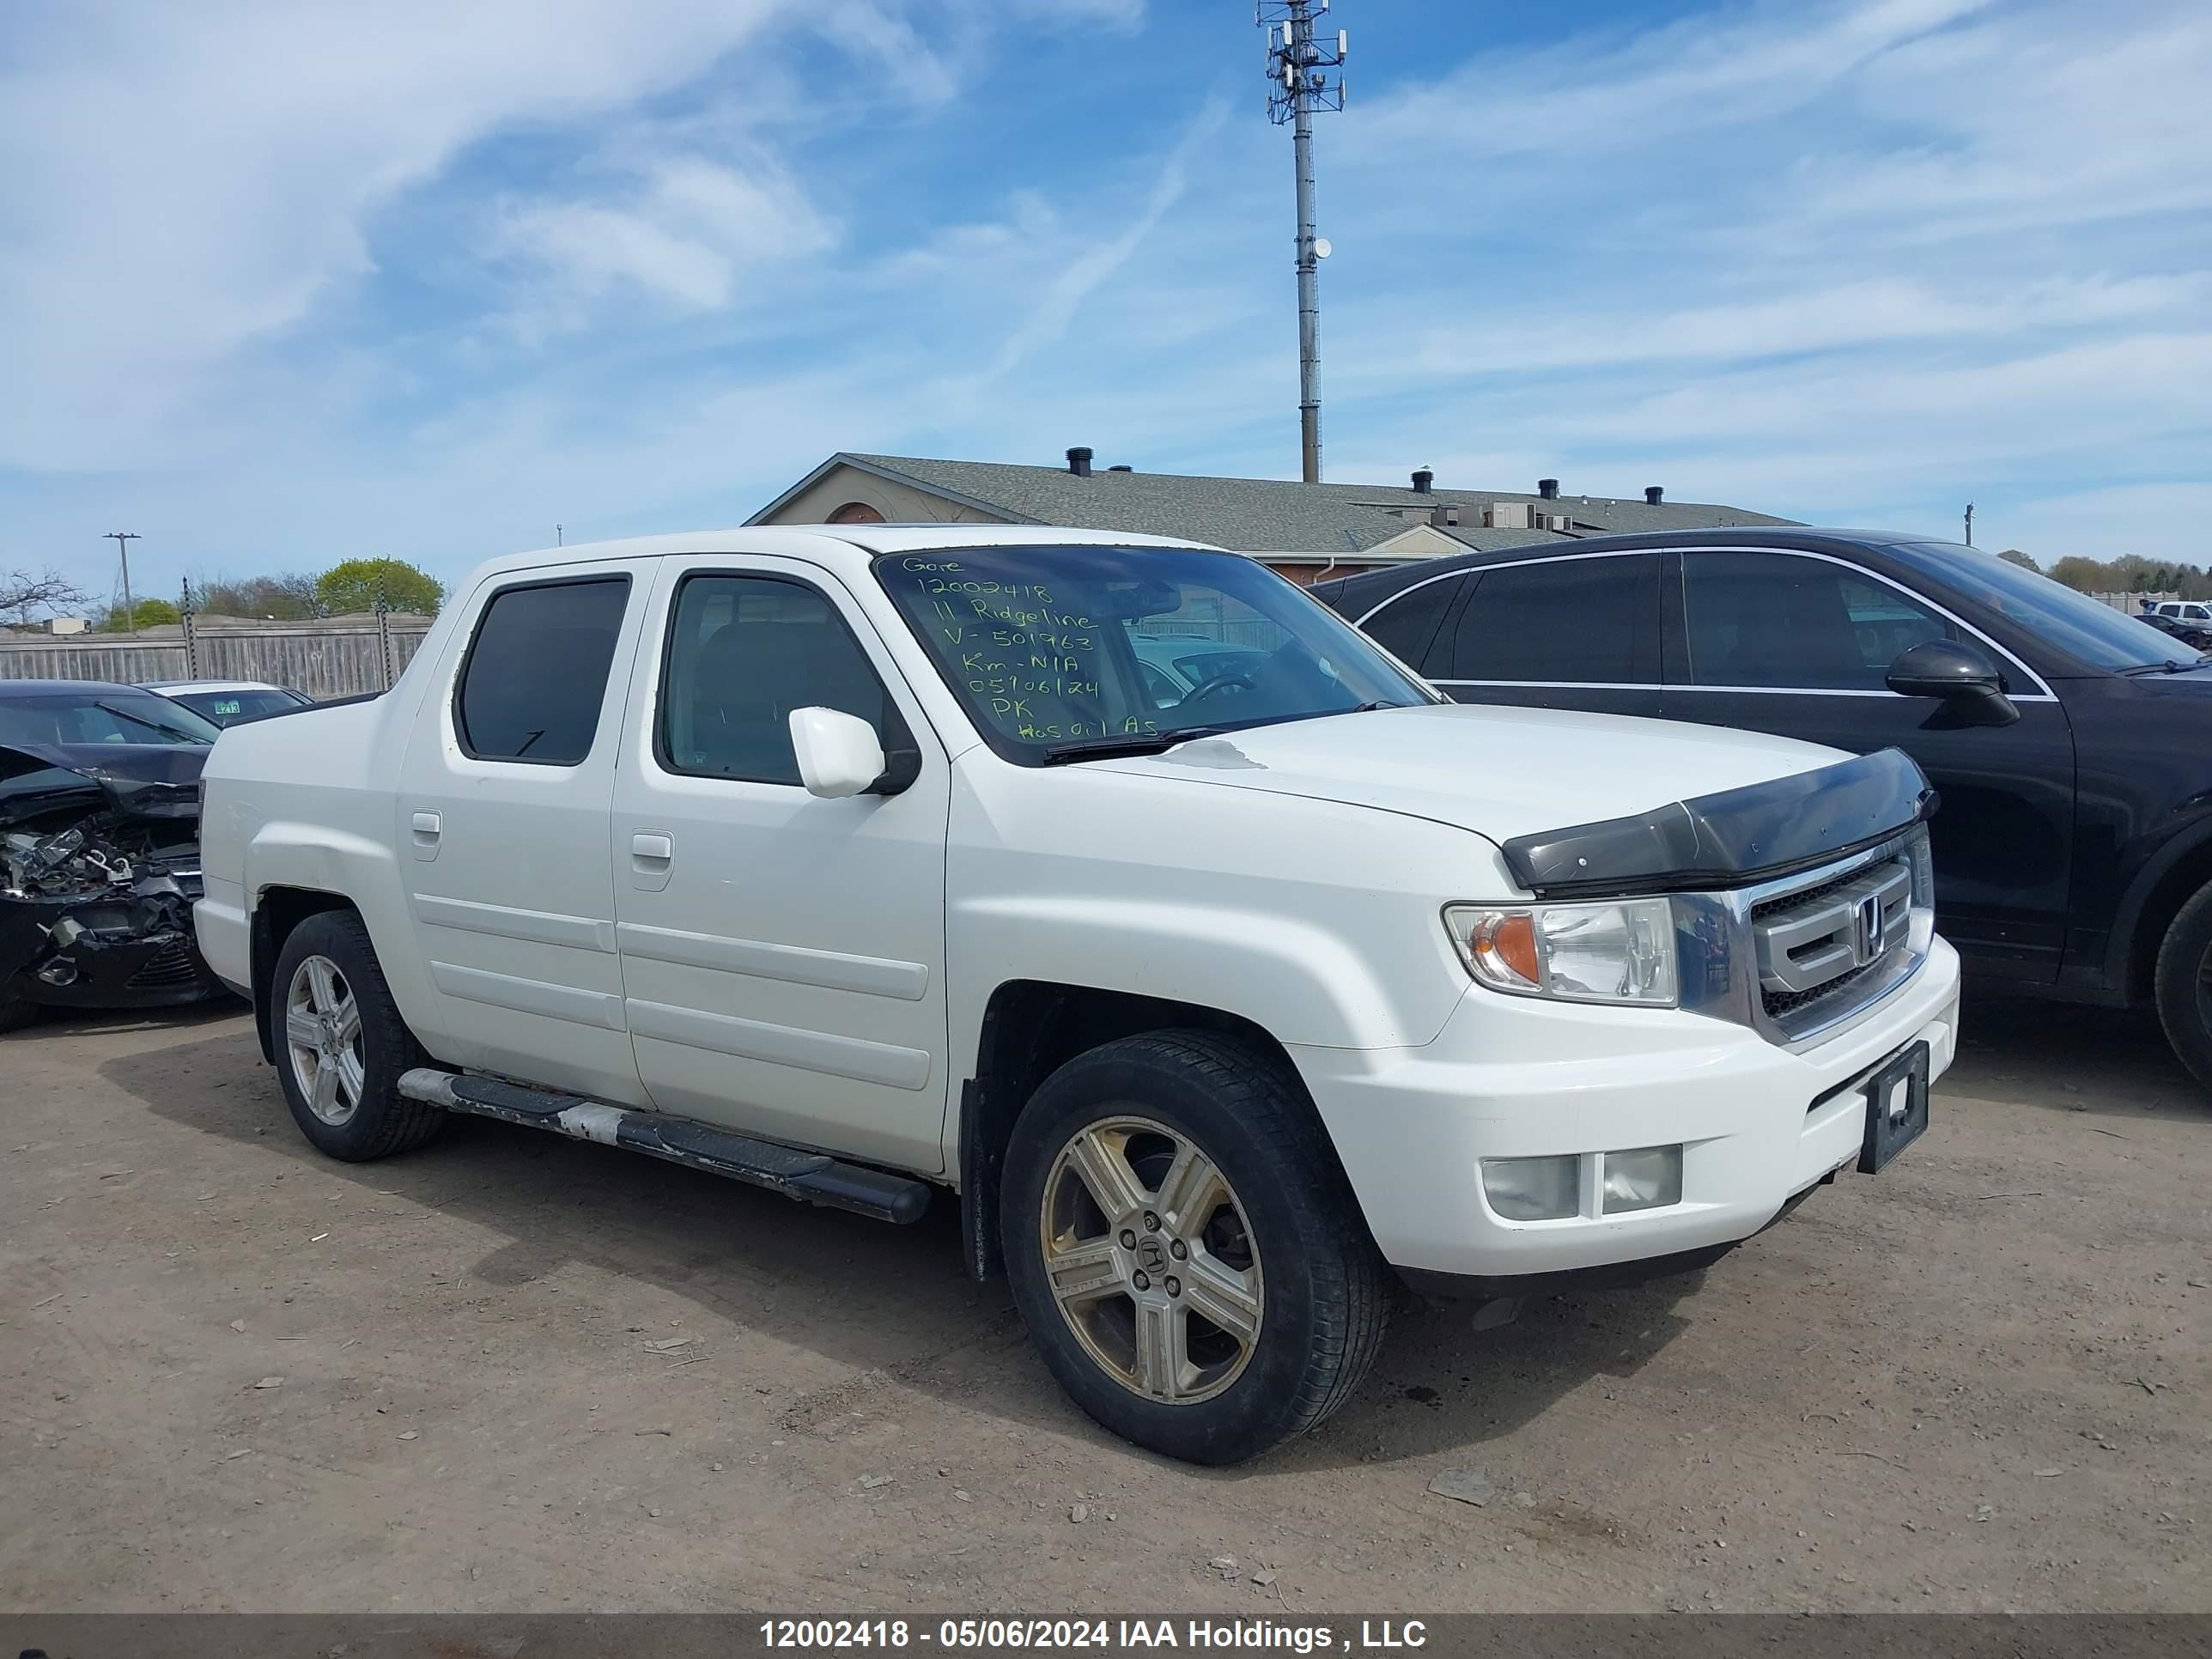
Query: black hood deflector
point(1730, 839)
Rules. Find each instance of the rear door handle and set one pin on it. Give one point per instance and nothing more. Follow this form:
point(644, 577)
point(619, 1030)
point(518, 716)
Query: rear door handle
point(652, 860)
point(424, 828)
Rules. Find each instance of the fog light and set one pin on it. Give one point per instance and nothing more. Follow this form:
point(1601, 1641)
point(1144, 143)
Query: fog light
point(1648, 1178)
point(1533, 1188)
point(62, 972)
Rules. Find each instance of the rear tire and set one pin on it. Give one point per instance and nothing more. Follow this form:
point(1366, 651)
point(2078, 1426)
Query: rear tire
point(1225, 1294)
point(341, 1044)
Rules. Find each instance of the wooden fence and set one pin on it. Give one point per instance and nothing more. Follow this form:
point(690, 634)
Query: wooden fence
point(317, 659)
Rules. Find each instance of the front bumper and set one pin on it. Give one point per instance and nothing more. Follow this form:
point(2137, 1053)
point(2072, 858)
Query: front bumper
point(125, 951)
point(1509, 1077)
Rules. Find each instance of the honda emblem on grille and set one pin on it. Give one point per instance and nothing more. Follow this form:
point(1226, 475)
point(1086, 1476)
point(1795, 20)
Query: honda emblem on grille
point(1867, 930)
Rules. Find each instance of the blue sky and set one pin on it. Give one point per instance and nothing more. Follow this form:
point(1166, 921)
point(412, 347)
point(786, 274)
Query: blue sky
point(282, 282)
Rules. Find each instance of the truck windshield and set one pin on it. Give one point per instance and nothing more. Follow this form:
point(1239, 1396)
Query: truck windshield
point(1058, 649)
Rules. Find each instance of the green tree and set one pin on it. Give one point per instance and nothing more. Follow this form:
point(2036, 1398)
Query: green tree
point(357, 584)
point(151, 613)
point(2014, 555)
point(2084, 575)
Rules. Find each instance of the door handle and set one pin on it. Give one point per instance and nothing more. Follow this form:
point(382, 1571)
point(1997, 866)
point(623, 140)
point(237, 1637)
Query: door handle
point(652, 860)
point(424, 828)
point(429, 824)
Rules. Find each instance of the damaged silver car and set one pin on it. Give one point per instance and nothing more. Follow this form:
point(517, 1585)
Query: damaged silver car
point(98, 848)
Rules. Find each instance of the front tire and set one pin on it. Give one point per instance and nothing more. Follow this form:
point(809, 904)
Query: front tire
point(2182, 985)
point(341, 1044)
point(15, 1013)
point(1184, 1249)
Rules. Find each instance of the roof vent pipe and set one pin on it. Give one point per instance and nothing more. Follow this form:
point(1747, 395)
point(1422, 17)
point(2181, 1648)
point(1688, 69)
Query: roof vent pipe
point(1548, 488)
point(1078, 462)
point(1653, 494)
point(1422, 480)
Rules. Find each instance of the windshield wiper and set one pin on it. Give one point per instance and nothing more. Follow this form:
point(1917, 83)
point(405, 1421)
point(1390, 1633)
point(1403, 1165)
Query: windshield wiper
point(177, 732)
point(2167, 667)
point(1135, 743)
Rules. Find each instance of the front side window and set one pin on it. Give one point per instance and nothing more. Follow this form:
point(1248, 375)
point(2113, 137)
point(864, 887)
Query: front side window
point(1777, 619)
point(537, 672)
point(742, 652)
point(1053, 648)
point(1561, 621)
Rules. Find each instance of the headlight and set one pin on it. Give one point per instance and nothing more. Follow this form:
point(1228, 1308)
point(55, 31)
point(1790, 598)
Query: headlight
point(1622, 951)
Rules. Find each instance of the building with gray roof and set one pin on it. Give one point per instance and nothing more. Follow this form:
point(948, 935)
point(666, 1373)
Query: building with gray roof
point(1303, 529)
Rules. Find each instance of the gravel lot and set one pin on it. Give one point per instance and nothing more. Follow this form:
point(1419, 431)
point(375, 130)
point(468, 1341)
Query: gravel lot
point(511, 1372)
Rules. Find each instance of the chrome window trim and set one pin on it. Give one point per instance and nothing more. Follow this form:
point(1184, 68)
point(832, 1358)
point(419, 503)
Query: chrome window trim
point(1738, 690)
point(2043, 694)
point(1504, 565)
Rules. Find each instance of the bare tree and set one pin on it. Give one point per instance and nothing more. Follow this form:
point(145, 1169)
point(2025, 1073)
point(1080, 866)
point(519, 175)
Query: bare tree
point(286, 598)
point(22, 592)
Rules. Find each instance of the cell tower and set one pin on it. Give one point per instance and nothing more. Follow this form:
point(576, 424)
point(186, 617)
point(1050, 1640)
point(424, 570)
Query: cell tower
point(1305, 75)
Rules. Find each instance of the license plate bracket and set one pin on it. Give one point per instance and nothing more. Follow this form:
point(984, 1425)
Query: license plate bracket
point(1897, 1107)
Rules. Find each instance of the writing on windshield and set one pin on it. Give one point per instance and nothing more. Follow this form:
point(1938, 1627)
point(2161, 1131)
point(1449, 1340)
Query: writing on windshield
point(1030, 660)
point(1051, 645)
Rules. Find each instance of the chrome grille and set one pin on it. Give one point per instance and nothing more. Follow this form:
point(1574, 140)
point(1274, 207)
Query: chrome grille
point(1818, 943)
point(1802, 957)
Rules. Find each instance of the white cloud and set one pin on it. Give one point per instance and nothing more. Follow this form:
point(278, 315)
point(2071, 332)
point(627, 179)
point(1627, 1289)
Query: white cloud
point(187, 181)
point(681, 230)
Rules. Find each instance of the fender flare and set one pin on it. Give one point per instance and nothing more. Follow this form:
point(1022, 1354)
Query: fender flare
point(361, 872)
point(2192, 838)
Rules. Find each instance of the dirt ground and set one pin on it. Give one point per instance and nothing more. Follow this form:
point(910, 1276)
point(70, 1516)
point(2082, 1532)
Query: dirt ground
point(511, 1372)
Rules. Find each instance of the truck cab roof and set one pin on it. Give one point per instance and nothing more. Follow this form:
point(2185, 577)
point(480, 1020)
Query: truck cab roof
point(845, 548)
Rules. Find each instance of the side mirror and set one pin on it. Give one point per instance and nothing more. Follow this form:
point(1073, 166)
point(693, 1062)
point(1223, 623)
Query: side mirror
point(1967, 681)
point(839, 754)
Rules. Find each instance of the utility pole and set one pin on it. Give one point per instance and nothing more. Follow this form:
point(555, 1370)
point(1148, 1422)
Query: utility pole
point(1298, 68)
point(1970, 524)
point(123, 538)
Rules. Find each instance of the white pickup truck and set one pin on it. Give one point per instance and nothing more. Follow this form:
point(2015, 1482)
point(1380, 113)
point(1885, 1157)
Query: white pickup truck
point(865, 861)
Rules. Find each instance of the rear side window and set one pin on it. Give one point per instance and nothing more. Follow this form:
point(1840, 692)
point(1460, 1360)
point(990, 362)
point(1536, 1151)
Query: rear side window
point(537, 672)
point(1575, 621)
point(1405, 626)
point(742, 652)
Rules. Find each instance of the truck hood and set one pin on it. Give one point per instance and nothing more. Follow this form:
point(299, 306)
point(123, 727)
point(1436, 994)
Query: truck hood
point(1501, 772)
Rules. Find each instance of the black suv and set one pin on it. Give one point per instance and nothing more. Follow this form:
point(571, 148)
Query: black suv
point(2071, 745)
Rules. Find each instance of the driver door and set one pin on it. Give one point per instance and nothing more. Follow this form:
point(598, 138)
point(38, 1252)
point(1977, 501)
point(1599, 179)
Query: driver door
point(782, 956)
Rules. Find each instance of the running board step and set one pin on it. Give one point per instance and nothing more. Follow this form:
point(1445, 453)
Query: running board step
point(810, 1178)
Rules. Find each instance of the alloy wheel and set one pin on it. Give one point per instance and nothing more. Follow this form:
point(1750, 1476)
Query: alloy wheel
point(322, 1036)
point(1149, 1258)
